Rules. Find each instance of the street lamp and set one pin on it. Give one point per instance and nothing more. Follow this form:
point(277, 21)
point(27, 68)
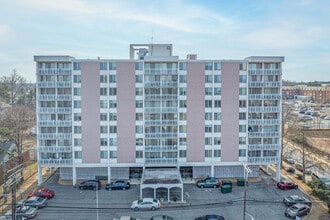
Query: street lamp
point(247, 170)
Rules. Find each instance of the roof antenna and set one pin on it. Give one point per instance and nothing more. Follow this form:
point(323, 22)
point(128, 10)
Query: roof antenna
point(152, 41)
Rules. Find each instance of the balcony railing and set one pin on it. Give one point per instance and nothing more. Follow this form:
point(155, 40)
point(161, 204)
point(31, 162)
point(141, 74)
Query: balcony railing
point(264, 109)
point(161, 148)
point(161, 71)
point(54, 71)
point(162, 84)
point(161, 135)
point(263, 160)
point(54, 149)
point(55, 162)
point(159, 110)
point(264, 146)
point(264, 72)
point(161, 97)
point(161, 161)
point(264, 134)
point(54, 123)
point(265, 84)
point(55, 110)
point(55, 136)
point(264, 121)
point(160, 122)
point(54, 97)
point(265, 97)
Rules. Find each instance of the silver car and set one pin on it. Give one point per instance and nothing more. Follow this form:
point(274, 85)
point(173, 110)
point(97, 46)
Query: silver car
point(297, 210)
point(146, 203)
point(34, 201)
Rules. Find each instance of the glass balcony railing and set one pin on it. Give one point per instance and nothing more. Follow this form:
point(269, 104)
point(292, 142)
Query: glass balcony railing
point(264, 134)
point(55, 110)
point(264, 109)
point(265, 84)
point(264, 146)
point(160, 161)
point(55, 162)
point(263, 160)
point(264, 122)
point(54, 149)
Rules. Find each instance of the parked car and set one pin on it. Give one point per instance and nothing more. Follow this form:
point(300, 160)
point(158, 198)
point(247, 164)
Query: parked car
point(23, 212)
point(286, 185)
point(119, 184)
point(126, 218)
point(96, 181)
point(289, 169)
point(289, 160)
point(88, 185)
point(210, 217)
point(326, 118)
point(33, 201)
point(305, 118)
point(146, 203)
point(161, 217)
point(209, 182)
point(294, 199)
point(297, 210)
point(44, 193)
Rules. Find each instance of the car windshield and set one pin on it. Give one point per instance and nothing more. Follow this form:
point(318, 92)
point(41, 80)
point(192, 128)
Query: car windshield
point(294, 208)
point(139, 201)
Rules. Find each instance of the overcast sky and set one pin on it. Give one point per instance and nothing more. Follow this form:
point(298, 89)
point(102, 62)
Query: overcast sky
point(218, 29)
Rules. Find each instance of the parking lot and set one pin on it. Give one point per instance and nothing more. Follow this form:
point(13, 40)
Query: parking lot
point(263, 201)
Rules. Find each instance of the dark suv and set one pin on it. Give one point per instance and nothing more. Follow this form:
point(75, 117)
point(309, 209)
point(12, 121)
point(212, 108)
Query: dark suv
point(90, 184)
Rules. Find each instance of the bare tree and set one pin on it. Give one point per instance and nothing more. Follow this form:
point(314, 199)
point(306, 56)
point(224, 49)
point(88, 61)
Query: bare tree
point(13, 85)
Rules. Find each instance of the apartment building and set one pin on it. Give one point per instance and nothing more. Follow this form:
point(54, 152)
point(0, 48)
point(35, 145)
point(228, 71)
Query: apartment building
point(316, 94)
point(113, 119)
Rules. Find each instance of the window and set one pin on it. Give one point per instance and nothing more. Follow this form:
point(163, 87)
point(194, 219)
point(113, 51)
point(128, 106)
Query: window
point(112, 117)
point(183, 66)
point(182, 153)
point(242, 140)
point(242, 66)
point(208, 103)
point(112, 78)
point(76, 66)
point(254, 153)
point(139, 104)
point(208, 91)
point(183, 128)
point(217, 128)
point(77, 78)
point(241, 152)
point(113, 154)
point(77, 116)
point(103, 117)
point(103, 66)
point(103, 104)
point(138, 66)
point(208, 128)
point(217, 116)
point(112, 66)
point(113, 129)
point(139, 141)
point(139, 91)
point(103, 78)
point(208, 78)
point(104, 154)
point(217, 153)
point(77, 155)
point(183, 103)
point(217, 65)
point(139, 154)
point(104, 142)
point(77, 129)
point(217, 91)
point(104, 129)
point(112, 104)
point(183, 91)
point(139, 117)
point(242, 103)
point(77, 142)
point(208, 153)
point(77, 104)
point(242, 128)
point(208, 141)
point(112, 91)
point(208, 66)
point(242, 91)
point(113, 141)
point(208, 115)
point(139, 129)
point(182, 78)
point(183, 141)
point(242, 116)
point(183, 116)
point(242, 79)
point(138, 78)
point(103, 91)
point(76, 91)
point(270, 153)
point(217, 103)
point(217, 141)
point(217, 78)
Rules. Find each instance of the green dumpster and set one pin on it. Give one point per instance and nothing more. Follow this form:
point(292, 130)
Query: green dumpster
point(240, 182)
point(226, 182)
point(226, 188)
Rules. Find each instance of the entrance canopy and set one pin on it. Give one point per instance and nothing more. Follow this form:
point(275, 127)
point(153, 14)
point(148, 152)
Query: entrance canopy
point(168, 178)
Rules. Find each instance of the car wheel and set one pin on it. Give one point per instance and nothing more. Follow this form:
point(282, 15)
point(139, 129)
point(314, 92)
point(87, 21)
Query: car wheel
point(81, 188)
point(153, 208)
point(202, 186)
point(214, 186)
point(94, 188)
point(124, 188)
point(136, 209)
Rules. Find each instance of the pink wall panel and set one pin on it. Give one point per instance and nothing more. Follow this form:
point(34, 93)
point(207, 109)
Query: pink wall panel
point(195, 111)
point(90, 111)
point(229, 111)
point(126, 112)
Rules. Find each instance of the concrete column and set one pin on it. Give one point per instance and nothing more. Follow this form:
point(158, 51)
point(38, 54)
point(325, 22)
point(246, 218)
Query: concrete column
point(39, 175)
point(278, 171)
point(154, 193)
point(182, 193)
point(74, 176)
point(212, 170)
point(168, 194)
point(109, 174)
point(141, 191)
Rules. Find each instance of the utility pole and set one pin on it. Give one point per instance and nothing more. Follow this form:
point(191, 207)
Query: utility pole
point(246, 173)
point(13, 201)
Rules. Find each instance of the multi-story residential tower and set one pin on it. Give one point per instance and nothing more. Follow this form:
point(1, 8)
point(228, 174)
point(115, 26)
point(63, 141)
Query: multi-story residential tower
point(113, 119)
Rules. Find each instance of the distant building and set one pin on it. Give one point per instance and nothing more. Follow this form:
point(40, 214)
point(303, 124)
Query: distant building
point(317, 94)
point(112, 119)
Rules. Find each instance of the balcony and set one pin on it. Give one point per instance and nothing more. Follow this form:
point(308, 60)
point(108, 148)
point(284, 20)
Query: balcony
point(160, 97)
point(264, 109)
point(264, 122)
point(166, 148)
point(67, 123)
point(54, 149)
point(265, 84)
point(54, 71)
point(161, 71)
point(163, 84)
point(265, 97)
point(273, 134)
point(53, 136)
point(46, 84)
point(160, 110)
point(55, 162)
point(160, 122)
point(161, 161)
point(55, 97)
point(264, 146)
point(55, 110)
point(161, 135)
point(263, 160)
point(265, 72)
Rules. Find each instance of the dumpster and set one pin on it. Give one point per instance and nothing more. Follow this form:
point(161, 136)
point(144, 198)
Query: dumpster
point(240, 182)
point(226, 188)
point(226, 182)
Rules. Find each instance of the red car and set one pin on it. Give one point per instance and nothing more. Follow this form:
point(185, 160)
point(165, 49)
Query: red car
point(287, 185)
point(44, 193)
